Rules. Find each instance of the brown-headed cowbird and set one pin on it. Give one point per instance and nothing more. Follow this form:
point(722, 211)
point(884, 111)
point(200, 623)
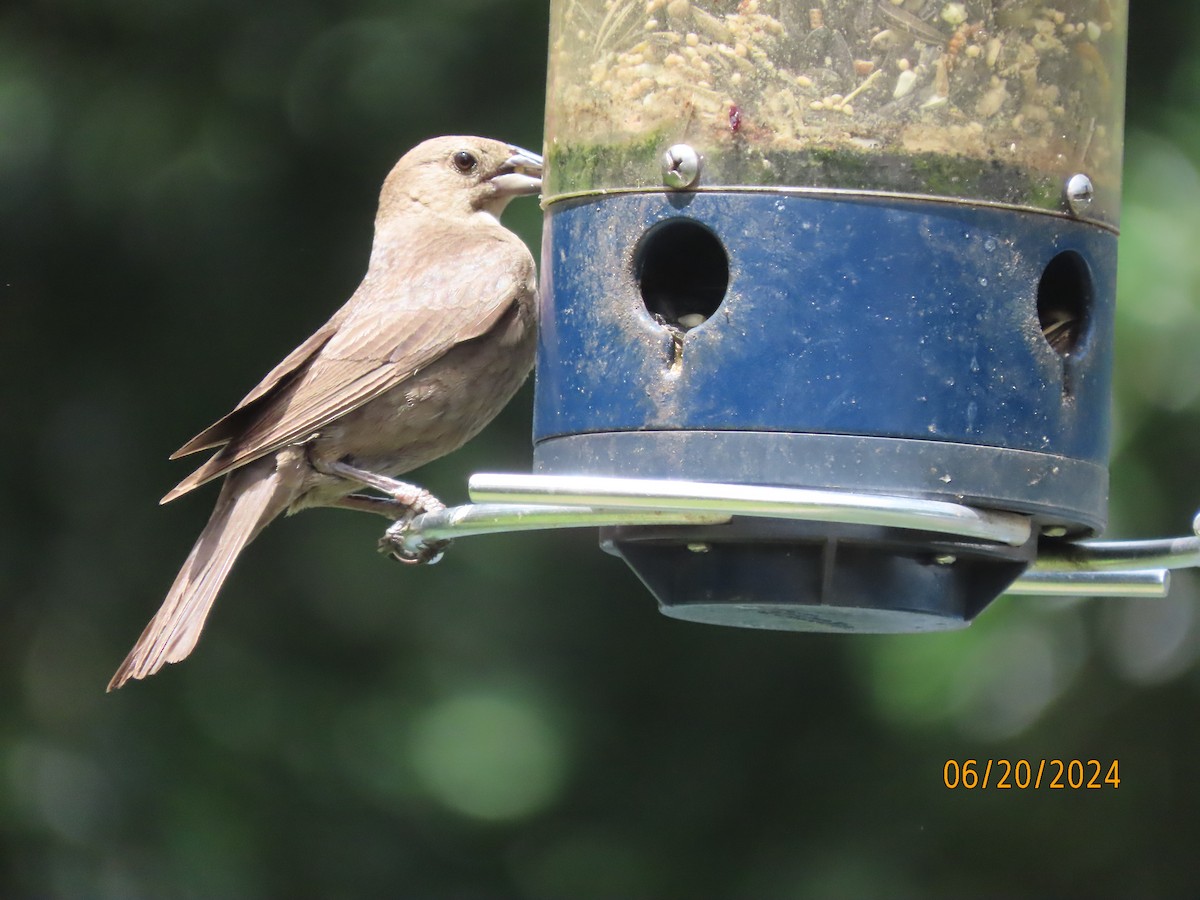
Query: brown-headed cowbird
point(432, 345)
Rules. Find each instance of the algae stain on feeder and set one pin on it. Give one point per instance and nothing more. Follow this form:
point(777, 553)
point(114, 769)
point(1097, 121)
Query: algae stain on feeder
point(864, 348)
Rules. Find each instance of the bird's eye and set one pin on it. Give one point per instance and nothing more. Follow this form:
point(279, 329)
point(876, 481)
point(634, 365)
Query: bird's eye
point(464, 161)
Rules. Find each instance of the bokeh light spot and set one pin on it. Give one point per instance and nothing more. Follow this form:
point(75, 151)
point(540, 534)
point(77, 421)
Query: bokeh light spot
point(489, 756)
point(1153, 643)
point(26, 120)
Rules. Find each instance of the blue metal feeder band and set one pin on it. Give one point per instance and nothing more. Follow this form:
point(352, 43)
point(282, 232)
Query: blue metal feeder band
point(861, 343)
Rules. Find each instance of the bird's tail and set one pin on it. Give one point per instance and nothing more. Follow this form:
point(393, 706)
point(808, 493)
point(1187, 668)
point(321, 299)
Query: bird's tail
point(250, 498)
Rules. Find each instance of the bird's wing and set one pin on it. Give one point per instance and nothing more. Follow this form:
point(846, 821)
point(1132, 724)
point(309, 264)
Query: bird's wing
point(385, 335)
point(229, 426)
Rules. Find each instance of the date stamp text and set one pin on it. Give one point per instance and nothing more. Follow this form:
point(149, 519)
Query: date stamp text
point(1031, 774)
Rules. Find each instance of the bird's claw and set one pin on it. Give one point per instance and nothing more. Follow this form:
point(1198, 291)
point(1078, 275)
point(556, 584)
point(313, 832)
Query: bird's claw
point(425, 554)
point(397, 544)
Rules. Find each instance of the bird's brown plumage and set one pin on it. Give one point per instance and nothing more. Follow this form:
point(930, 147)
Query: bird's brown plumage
point(434, 342)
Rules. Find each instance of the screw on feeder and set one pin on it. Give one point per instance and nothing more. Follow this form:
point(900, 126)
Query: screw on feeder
point(681, 166)
point(1079, 193)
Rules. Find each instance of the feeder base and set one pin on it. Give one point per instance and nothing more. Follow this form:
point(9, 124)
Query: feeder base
point(798, 576)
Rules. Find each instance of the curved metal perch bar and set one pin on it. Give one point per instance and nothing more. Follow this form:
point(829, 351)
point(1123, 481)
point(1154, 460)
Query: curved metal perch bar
point(505, 502)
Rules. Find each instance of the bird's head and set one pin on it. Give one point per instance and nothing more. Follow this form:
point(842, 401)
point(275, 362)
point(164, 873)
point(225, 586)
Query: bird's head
point(457, 175)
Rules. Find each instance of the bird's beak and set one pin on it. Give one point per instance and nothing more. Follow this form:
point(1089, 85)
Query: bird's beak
point(521, 173)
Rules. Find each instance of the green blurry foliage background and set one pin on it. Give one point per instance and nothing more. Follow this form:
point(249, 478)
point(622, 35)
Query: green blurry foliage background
point(186, 191)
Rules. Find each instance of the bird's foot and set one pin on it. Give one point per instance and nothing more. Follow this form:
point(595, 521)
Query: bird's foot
point(416, 499)
point(403, 502)
point(410, 549)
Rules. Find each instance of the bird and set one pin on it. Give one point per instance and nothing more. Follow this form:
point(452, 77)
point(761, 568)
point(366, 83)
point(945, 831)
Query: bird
point(434, 342)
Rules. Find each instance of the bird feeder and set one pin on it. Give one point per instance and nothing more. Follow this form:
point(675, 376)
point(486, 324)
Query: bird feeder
point(827, 307)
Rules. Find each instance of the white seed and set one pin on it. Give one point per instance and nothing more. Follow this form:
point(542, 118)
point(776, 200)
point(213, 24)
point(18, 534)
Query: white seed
point(993, 52)
point(905, 82)
point(954, 14)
